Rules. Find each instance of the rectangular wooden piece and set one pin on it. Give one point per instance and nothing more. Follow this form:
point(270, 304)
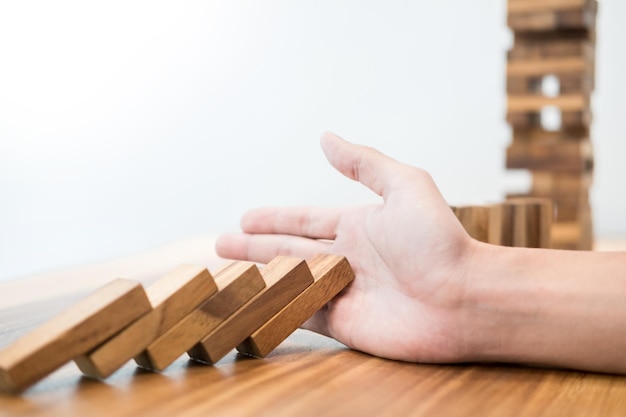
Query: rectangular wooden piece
point(285, 278)
point(72, 333)
point(236, 284)
point(551, 155)
point(517, 6)
point(173, 297)
point(331, 274)
point(542, 67)
point(529, 103)
point(553, 20)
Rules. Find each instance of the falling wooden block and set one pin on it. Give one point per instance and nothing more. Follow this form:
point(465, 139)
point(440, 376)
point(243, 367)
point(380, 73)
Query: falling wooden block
point(173, 297)
point(236, 283)
point(72, 333)
point(331, 274)
point(285, 278)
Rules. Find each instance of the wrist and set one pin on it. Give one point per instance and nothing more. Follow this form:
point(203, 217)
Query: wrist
point(497, 301)
point(559, 308)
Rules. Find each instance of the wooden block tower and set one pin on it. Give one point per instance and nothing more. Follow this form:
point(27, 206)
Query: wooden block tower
point(550, 78)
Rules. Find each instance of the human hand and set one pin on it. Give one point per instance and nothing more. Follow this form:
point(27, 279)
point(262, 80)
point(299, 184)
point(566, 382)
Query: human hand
point(409, 253)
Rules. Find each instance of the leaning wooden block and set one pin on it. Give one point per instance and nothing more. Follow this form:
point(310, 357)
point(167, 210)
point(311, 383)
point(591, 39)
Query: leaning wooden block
point(285, 278)
point(331, 274)
point(72, 333)
point(173, 297)
point(236, 284)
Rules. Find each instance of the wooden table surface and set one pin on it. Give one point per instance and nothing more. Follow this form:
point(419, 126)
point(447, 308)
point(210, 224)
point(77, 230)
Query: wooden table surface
point(308, 375)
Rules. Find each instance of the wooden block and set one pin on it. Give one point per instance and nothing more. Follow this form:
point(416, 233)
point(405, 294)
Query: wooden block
point(539, 134)
point(285, 278)
point(576, 118)
point(522, 222)
point(518, 86)
point(534, 49)
point(172, 297)
point(331, 274)
point(542, 67)
point(550, 184)
point(576, 84)
point(237, 283)
point(524, 120)
point(531, 120)
point(475, 220)
point(538, 215)
point(555, 156)
point(569, 84)
point(573, 235)
point(549, 20)
point(524, 6)
point(72, 333)
point(495, 225)
point(571, 208)
point(530, 103)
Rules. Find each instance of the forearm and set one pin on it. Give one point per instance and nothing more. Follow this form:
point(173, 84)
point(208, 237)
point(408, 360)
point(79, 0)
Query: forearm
point(550, 307)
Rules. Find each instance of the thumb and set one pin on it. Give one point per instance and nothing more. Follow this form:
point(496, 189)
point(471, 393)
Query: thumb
point(366, 165)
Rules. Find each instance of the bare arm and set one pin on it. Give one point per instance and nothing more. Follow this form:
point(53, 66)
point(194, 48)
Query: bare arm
point(425, 291)
point(552, 307)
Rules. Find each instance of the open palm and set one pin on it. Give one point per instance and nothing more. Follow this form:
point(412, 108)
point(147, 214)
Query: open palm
point(409, 255)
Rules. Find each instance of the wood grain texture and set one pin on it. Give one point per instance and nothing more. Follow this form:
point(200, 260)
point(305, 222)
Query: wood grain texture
point(236, 284)
point(475, 220)
point(285, 278)
point(547, 183)
point(332, 274)
point(533, 49)
point(531, 119)
point(308, 376)
point(518, 6)
point(542, 67)
point(539, 134)
point(549, 20)
point(573, 102)
point(563, 156)
point(172, 297)
point(71, 333)
point(522, 222)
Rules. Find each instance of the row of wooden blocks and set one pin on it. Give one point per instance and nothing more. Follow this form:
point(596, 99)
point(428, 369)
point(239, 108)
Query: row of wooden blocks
point(551, 71)
point(519, 222)
point(187, 310)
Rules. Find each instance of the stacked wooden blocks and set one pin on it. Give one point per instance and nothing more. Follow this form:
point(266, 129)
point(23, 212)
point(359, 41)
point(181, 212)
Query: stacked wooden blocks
point(550, 78)
point(519, 222)
point(187, 310)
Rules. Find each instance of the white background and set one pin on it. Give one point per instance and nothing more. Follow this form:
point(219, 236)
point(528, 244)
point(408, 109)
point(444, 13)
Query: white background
point(127, 125)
